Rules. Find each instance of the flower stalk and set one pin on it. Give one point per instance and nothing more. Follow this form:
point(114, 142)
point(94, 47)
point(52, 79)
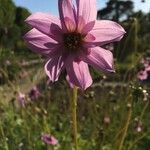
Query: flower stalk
point(74, 116)
point(124, 134)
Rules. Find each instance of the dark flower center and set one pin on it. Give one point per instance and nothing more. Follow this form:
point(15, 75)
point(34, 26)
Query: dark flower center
point(72, 41)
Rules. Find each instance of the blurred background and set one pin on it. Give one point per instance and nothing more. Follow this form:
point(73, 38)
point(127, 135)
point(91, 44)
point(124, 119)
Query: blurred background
point(30, 105)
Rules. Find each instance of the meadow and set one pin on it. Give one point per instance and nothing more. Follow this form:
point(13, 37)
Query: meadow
point(112, 114)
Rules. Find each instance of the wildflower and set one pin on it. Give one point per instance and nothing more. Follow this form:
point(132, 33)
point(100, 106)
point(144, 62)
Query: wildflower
point(21, 99)
point(146, 95)
point(72, 42)
point(20, 146)
point(138, 126)
point(106, 120)
point(48, 139)
point(34, 93)
point(129, 105)
point(142, 75)
point(147, 68)
point(8, 63)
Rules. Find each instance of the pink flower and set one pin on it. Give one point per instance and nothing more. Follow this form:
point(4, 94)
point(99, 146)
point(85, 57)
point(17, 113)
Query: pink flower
point(72, 41)
point(148, 68)
point(21, 99)
point(142, 75)
point(48, 139)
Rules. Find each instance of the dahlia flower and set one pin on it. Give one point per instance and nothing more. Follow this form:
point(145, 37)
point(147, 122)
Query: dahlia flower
point(72, 41)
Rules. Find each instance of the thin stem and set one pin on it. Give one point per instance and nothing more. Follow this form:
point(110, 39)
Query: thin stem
point(136, 141)
point(144, 109)
point(126, 127)
point(74, 116)
point(4, 138)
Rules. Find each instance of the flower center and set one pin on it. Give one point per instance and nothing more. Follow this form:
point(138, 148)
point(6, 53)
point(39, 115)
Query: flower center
point(72, 41)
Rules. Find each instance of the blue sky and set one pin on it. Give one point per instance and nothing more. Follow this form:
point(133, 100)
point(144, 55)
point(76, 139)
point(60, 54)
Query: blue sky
point(51, 5)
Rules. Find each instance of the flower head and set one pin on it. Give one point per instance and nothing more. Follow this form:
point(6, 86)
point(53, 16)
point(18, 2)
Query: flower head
point(48, 139)
point(144, 73)
point(72, 41)
point(21, 99)
point(34, 93)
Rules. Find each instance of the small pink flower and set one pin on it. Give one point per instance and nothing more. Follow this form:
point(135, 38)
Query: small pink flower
point(48, 139)
point(72, 41)
point(142, 75)
point(107, 120)
point(21, 99)
point(138, 126)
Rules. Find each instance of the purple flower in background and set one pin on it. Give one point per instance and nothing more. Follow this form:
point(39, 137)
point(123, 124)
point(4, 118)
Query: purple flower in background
point(34, 93)
point(21, 99)
point(144, 73)
point(48, 139)
point(72, 41)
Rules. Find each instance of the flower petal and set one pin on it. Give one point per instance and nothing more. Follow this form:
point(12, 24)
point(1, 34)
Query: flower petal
point(89, 38)
point(39, 42)
point(54, 67)
point(78, 73)
point(66, 9)
point(88, 27)
point(100, 59)
point(107, 31)
point(45, 23)
point(87, 9)
point(70, 83)
point(70, 25)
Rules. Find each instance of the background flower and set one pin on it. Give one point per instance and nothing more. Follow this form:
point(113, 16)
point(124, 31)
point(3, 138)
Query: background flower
point(48, 139)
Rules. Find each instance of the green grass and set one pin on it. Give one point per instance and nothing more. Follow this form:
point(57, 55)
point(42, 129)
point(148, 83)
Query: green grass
point(51, 114)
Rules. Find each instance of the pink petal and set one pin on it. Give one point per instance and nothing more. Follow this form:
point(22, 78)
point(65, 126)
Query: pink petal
point(66, 9)
point(89, 38)
point(70, 25)
point(147, 68)
point(83, 27)
point(48, 139)
point(81, 24)
point(70, 83)
point(107, 31)
point(45, 23)
point(54, 141)
point(100, 59)
point(54, 67)
point(40, 42)
point(142, 75)
point(87, 9)
point(88, 27)
point(78, 73)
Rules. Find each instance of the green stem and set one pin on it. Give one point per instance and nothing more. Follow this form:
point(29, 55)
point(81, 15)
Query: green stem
point(136, 141)
point(4, 138)
point(126, 127)
point(144, 109)
point(74, 116)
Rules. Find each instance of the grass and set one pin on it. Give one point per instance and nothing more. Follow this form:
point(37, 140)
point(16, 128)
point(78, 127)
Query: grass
point(21, 128)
